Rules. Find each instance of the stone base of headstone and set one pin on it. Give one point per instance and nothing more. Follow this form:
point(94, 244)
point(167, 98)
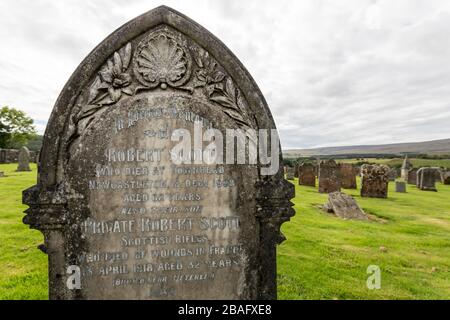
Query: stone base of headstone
point(400, 186)
point(344, 206)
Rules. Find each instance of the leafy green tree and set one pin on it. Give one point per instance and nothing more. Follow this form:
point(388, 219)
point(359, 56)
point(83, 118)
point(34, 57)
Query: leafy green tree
point(16, 128)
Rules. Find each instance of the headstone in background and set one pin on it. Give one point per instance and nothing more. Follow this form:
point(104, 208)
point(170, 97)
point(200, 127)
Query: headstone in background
point(2, 174)
point(9, 155)
point(438, 175)
point(406, 166)
point(296, 171)
point(412, 176)
point(348, 174)
point(307, 174)
point(329, 176)
point(344, 206)
point(400, 186)
point(374, 181)
point(118, 211)
point(392, 174)
point(290, 173)
point(426, 179)
point(24, 160)
point(446, 177)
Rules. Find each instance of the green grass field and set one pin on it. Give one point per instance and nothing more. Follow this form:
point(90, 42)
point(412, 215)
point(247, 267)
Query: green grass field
point(23, 268)
point(324, 257)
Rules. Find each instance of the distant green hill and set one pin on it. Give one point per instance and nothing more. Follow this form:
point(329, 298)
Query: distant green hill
point(434, 147)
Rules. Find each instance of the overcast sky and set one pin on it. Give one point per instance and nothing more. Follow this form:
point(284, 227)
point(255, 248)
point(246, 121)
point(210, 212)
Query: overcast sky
point(337, 72)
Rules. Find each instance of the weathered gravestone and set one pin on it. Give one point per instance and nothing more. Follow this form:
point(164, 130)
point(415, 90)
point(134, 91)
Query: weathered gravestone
point(296, 171)
point(446, 177)
point(2, 174)
point(400, 186)
point(307, 174)
point(344, 206)
point(9, 155)
point(426, 179)
point(348, 173)
point(24, 160)
point(290, 173)
point(374, 181)
point(412, 176)
point(114, 205)
point(392, 174)
point(329, 176)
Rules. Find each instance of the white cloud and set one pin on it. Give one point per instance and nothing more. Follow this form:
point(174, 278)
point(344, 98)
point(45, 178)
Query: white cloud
point(333, 72)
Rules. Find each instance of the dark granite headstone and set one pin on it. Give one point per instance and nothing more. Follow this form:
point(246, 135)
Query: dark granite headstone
point(426, 179)
point(24, 160)
point(307, 174)
point(412, 176)
point(374, 181)
point(330, 178)
point(121, 218)
point(400, 186)
point(446, 177)
point(348, 173)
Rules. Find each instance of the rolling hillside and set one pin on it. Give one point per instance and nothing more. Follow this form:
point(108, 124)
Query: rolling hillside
point(428, 147)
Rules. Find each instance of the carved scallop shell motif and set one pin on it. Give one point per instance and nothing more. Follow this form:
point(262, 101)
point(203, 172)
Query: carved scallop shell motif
point(160, 60)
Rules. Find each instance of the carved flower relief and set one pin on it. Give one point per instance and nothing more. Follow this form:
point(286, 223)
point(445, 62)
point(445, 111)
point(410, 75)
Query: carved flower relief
point(207, 73)
point(161, 61)
point(113, 79)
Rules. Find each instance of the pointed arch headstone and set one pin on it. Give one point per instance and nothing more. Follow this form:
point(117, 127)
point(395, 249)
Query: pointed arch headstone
point(121, 220)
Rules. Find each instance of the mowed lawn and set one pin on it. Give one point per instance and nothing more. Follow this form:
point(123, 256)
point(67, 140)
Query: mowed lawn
point(324, 257)
point(23, 267)
point(408, 237)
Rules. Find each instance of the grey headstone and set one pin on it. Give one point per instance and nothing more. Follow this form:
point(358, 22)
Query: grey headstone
point(2, 174)
point(111, 202)
point(426, 179)
point(446, 177)
point(400, 186)
point(374, 181)
point(412, 176)
point(24, 160)
point(348, 174)
point(344, 206)
point(307, 174)
point(290, 173)
point(330, 178)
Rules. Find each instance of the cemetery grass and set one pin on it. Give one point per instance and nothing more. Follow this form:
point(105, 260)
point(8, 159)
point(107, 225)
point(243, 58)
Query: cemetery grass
point(408, 237)
point(324, 257)
point(23, 268)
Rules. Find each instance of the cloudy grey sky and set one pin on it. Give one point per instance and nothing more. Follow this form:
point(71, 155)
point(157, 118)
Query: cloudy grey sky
point(333, 72)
